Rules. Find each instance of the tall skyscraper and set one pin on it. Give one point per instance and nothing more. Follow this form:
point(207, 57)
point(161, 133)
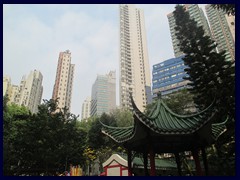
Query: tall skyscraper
point(221, 31)
point(195, 13)
point(86, 108)
point(134, 65)
point(6, 85)
point(32, 93)
point(29, 93)
point(104, 94)
point(14, 94)
point(64, 80)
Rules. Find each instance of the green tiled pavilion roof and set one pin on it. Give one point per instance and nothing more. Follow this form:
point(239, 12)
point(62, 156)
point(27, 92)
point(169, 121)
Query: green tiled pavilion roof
point(118, 134)
point(167, 129)
point(159, 163)
point(163, 121)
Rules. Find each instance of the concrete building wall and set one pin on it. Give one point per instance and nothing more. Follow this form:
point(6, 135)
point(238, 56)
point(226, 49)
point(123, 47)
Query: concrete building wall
point(86, 108)
point(221, 31)
point(134, 64)
point(111, 90)
point(195, 13)
point(6, 85)
point(231, 24)
point(30, 91)
point(13, 94)
point(64, 80)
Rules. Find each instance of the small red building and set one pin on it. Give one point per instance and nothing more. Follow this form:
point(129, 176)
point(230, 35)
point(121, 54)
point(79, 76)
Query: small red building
point(115, 166)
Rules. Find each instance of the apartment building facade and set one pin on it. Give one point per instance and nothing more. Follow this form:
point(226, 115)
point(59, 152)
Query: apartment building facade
point(63, 86)
point(195, 13)
point(134, 64)
point(223, 30)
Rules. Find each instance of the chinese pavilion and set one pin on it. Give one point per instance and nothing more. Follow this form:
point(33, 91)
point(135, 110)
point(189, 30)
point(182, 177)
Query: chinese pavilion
point(163, 131)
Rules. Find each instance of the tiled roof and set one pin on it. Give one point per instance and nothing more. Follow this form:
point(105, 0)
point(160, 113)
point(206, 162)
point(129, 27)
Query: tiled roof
point(163, 122)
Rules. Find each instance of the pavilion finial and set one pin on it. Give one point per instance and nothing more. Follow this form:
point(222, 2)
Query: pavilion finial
point(159, 95)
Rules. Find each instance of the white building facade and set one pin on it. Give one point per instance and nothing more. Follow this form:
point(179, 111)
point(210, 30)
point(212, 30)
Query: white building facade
point(134, 64)
point(86, 108)
point(29, 93)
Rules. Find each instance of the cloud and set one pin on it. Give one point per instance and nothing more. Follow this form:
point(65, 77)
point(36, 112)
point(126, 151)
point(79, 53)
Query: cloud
point(35, 34)
point(34, 42)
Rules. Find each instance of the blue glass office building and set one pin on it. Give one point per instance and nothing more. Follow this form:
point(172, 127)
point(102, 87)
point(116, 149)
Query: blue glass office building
point(167, 76)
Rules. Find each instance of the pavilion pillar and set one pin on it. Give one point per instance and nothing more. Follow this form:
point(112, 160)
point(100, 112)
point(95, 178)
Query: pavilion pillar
point(129, 152)
point(145, 162)
point(204, 156)
point(152, 162)
point(197, 162)
point(177, 157)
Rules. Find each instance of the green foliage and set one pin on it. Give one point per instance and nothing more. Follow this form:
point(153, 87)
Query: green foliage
point(221, 159)
point(123, 117)
point(96, 139)
point(227, 8)
point(14, 128)
point(210, 75)
point(100, 145)
point(212, 78)
point(180, 102)
point(46, 142)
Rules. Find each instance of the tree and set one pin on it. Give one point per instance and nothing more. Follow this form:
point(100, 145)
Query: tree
point(96, 139)
point(14, 128)
point(180, 102)
point(228, 8)
point(210, 75)
point(123, 117)
point(46, 142)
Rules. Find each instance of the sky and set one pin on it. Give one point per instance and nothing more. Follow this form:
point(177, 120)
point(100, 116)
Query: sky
point(33, 36)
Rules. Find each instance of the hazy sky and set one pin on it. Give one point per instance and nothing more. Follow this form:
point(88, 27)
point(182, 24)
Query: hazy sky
point(33, 36)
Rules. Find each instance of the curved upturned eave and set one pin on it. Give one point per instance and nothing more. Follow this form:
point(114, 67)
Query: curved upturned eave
point(190, 128)
point(218, 129)
point(113, 132)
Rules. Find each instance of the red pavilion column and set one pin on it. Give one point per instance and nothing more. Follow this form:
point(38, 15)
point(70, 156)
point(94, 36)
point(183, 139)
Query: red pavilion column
point(145, 162)
point(205, 163)
point(129, 162)
point(152, 162)
point(197, 162)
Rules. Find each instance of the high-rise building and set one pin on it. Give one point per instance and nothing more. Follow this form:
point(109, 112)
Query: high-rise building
point(134, 65)
point(6, 85)
point(86, 108)
point(221, 31)
point(104, 94)
point(64, 80)
point(13, 94)
point(29, 93)
point(231, 24)
point(168, 76)
point(195, 13)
